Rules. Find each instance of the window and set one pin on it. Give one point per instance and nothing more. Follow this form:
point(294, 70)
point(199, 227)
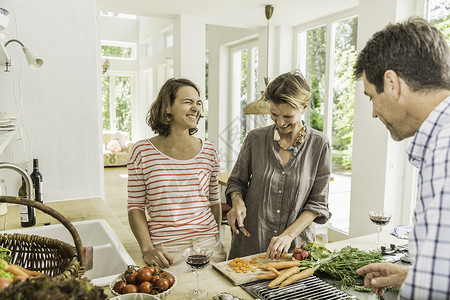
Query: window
point(118, 50)
point(117, 15)
point(439, 16)
point(118, 95)
point(326, 55)
point(244, 85)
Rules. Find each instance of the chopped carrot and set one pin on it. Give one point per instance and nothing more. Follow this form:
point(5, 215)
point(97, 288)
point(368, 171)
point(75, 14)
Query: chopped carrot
point(296, 277)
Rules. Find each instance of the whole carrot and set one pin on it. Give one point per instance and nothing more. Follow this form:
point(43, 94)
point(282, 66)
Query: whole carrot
point(296, 277)
point(283, 276)
point(275, 271)
point(267, 276)
point(283, 264)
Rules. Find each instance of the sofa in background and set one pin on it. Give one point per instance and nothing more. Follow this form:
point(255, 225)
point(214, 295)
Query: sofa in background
point(116, 148)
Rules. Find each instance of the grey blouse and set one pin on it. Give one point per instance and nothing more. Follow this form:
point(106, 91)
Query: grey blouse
point(276, 195)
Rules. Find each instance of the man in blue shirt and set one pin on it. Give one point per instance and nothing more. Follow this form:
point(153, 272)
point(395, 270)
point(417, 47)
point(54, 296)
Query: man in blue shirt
point(406, 73)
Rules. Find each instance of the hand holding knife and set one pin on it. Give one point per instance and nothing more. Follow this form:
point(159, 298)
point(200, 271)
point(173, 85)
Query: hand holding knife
point(243, 230)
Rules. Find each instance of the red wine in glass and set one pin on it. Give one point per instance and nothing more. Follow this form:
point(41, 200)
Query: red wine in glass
point(380, 219)
point(197, 258)
point(197, 261)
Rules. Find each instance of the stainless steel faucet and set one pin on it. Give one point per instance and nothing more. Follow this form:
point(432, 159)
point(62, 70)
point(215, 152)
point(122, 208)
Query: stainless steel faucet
point(28, 182)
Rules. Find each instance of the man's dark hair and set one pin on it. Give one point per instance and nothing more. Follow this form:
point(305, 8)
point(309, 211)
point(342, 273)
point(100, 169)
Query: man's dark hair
point(415, 50)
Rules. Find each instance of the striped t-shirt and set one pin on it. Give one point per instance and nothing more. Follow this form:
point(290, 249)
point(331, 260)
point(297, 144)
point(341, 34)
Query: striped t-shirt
point(177, 194)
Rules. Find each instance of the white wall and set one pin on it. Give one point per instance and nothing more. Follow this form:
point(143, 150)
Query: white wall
point(60, 100)
point(219, 39)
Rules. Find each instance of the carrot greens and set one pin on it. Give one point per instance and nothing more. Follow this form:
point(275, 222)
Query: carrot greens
point(340, 265)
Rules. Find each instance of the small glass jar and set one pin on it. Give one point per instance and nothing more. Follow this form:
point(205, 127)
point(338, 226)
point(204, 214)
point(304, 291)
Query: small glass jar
point(3, 206)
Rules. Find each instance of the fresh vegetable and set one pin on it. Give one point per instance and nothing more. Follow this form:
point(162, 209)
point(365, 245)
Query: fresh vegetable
point(53, 288)
point(243, 266)
point(144, 274)
point(30, 273)
point(263, 256)
point(12, 269)
point(283, 264)
point(7, 275)
point(145, 287)
point(4, 282)
point(284, 275)
point(275, 271)
point(266, 276)
point(342, 264)
point(296, 277)
point(130, 289)
point(148, 280)
point(119, 285)
point(162, 284)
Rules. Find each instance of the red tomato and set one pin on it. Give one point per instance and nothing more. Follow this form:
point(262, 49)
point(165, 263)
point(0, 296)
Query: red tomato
point(129, 289)
point(154, 279)
point(129, 271)
point(171, 280)
point(132, 278)
point(119, 285)
point(152, 269)
point(162, 284)
point(144, 274)
point(154, 291)
point(145, 287)
point(4, 282)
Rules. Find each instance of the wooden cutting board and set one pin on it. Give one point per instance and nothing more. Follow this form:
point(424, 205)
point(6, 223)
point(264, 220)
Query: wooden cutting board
point(241, 278)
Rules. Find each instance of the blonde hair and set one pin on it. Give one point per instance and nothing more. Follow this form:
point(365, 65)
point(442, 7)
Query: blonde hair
point(289, 88)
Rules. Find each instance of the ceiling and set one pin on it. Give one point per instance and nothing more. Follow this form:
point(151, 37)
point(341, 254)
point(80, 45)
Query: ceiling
point(234, 13)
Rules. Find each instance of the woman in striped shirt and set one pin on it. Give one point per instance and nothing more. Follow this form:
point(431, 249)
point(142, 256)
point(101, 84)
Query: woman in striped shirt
point(173, 176)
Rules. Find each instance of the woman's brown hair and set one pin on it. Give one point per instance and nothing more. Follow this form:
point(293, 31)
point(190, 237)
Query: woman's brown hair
point(157, 117)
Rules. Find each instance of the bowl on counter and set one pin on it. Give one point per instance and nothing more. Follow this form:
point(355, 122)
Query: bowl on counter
point(163, 295)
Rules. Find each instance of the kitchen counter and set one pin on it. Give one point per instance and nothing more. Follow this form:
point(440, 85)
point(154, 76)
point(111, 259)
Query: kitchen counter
point(95, 208)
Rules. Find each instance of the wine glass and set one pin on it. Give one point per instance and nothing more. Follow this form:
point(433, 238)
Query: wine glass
point(380, 219)
point(197, 258)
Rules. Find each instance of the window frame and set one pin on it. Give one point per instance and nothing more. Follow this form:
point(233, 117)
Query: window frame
point(112, 98)
point(133, 47)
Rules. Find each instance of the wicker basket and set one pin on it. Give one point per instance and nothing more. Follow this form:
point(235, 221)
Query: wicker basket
point(36, 253)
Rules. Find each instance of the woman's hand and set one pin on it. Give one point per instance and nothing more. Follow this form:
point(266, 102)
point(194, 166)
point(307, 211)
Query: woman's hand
point(159, 257)
point(278, 246)
point(237, 214)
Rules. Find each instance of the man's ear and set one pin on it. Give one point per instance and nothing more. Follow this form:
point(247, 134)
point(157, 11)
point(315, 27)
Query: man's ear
point(392, 84)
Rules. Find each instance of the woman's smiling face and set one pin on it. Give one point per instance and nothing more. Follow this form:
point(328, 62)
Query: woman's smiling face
point(186, 108)
point(286, 117)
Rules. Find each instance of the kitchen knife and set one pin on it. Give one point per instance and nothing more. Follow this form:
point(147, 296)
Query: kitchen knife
point(244, 231)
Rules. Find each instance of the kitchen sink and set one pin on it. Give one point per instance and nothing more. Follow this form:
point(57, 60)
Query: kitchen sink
point(109, 256)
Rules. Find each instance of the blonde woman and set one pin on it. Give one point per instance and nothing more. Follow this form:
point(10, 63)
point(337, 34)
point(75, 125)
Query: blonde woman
point(279, 184)
point(173, 177)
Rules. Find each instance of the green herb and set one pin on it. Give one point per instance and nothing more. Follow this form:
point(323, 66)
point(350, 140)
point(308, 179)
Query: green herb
point(342, 264)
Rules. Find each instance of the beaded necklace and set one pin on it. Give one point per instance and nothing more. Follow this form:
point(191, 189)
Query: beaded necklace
point(298, 140)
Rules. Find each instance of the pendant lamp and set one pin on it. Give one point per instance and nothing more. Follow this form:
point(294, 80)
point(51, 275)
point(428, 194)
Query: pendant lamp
point(260, 107)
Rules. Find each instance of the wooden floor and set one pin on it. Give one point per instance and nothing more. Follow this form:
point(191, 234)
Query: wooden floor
point(116, 198)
